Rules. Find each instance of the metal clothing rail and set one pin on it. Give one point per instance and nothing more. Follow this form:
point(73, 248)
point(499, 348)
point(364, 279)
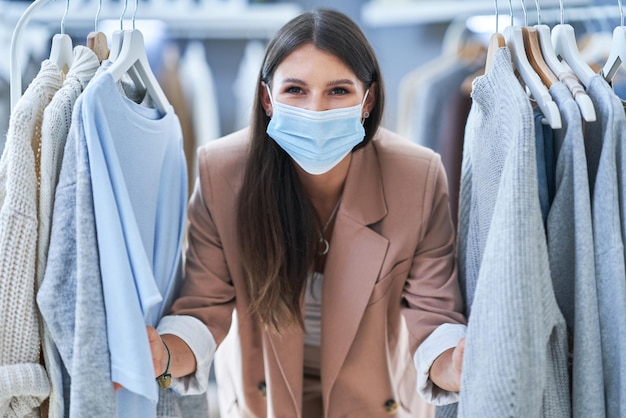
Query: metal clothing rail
point(184, 19)
point(16, 42)
point(388, 14)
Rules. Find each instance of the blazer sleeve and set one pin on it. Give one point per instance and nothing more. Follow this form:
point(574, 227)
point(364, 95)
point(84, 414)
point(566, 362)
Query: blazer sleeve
point(431, 293)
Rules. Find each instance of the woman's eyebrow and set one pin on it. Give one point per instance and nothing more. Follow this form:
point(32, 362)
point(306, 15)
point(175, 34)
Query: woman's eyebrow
point(293, 81)
point(300, 82)
point(340, 82)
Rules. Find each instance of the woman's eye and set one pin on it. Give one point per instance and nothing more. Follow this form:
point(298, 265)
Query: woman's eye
point(294, 90)
point(339, 91)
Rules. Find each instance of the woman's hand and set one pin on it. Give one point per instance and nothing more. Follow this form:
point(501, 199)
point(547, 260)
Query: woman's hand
point(159, 353)
point(446, 369)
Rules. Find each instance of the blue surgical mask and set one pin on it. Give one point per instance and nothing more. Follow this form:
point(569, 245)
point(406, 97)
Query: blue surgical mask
point(316, 140)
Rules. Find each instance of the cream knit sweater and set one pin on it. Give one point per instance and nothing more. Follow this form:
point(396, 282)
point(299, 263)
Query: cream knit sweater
point(24, 382)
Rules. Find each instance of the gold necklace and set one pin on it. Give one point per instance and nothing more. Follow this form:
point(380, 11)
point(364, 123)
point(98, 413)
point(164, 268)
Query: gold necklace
point(324, 245)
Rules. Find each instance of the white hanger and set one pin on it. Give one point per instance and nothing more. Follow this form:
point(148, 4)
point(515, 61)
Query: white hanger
point(584, 102)
point(617, 55)
point(62, 49)
point(116, 46)
point(118, 36)
point(564, 42)
point(515, 43)
point(133, 58)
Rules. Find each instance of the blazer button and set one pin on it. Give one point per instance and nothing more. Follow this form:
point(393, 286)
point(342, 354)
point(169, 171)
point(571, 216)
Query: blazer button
point(391, 406)
point(262, 389)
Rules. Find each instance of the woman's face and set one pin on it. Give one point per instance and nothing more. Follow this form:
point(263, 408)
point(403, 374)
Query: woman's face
point(315, 80)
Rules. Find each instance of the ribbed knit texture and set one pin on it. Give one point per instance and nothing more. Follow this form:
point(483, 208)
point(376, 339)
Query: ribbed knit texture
point(71, 297)
point(55, 127)
point(571, 249)
point(515, 362)
point(605, 147)
point(24, 383)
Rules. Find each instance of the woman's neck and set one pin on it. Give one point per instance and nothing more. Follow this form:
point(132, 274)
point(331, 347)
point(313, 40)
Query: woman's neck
point(324, 190)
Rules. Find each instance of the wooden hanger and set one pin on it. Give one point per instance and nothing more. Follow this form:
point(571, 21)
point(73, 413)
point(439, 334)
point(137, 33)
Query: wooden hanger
point(97, 41)
point(535, 57)
point(495, 42)
point(133, 56)
point(540, 93)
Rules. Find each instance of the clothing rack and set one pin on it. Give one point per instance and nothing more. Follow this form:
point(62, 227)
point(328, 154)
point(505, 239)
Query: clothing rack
point(233, 20)
point(389, 14)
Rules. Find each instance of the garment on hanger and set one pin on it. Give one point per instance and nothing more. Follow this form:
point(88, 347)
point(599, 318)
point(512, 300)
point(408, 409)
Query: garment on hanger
point(571, 252)
point(55, 128)
point(244, 85)
point(140, 199)
point(544, 150)
point(606, 162)
point(77, 326)
point(198, 84)
point(25, 383)
point(433, 108)
point(409, 91)
point(171, 81)
point(515, 359)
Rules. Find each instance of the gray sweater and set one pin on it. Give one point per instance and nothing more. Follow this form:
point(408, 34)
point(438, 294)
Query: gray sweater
point(607, 165)
point(571, 249)
point(515, 362)
point(70, 298)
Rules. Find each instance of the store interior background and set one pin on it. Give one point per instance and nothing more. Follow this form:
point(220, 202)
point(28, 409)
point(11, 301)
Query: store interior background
point(405, 34)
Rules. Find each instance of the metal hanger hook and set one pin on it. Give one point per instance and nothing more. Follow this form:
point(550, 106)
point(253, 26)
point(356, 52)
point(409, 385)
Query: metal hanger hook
point(67, 7)
point(525, 12)
point(135, 12)
point(538, 12)
point(561, 10)
point(123, 13)
point(511, 11)
point(621, 12)
point(95, 23)
point(497, 17)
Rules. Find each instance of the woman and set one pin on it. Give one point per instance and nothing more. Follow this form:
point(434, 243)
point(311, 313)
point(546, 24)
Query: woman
point(331, 240)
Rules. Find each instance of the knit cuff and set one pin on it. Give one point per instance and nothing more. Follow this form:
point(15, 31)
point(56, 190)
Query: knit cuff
point(24, 387)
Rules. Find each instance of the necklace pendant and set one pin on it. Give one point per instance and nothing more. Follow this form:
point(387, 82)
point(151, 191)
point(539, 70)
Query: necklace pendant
point(323, 246)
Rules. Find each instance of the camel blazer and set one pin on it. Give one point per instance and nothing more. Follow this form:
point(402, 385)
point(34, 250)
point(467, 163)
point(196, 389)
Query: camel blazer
point(389, 281)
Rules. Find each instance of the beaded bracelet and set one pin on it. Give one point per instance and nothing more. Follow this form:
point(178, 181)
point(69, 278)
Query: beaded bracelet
point(165, 380)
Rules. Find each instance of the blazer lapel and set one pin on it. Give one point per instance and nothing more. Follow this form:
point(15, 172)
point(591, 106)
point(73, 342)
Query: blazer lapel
point(284, 360)
point(356, 255)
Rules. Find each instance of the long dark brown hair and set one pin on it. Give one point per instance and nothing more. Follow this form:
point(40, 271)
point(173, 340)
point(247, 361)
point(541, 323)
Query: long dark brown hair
point(278, 228)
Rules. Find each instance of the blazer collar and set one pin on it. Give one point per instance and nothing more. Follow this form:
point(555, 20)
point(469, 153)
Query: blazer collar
point(363, 197)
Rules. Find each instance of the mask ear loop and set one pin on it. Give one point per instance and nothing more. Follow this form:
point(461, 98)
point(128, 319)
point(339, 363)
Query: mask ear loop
point(269, 92)
point(365, 114)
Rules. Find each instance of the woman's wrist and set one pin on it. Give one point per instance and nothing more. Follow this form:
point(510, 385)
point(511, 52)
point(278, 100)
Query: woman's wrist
point(165, 379)
point(182, 361)
point(445, 371)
